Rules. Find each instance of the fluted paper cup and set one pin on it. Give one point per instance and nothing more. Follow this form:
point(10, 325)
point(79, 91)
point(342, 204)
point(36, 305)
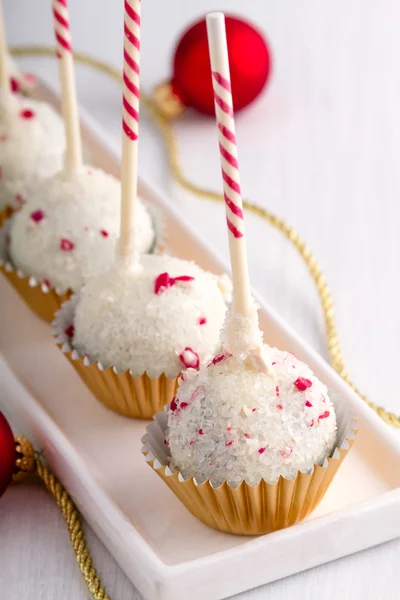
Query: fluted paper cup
point(139, 397)
point(44, 299)
point(246, 509)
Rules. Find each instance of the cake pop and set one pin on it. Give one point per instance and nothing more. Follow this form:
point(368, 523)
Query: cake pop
point(31, 139)
point(161, 317)
point(233, 421)
point(67, 232)
point(32, 146)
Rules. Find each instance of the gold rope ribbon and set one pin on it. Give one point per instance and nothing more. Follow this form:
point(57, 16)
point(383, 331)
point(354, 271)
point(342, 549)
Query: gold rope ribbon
point(66, 505)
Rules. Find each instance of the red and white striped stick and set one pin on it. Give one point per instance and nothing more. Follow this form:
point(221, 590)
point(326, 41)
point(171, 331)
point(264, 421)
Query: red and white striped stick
point(130, 126)
point(242, 300)
point(73, 157)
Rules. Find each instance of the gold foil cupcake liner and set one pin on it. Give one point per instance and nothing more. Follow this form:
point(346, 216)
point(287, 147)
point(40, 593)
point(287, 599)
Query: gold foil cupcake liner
point(139, 397)
point(246, 509)
point(43, 299)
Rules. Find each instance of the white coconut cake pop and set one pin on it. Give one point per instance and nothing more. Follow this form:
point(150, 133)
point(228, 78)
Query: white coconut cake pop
point(160, 318)
point(67, 232)
point(32, 145)
point(231, 421)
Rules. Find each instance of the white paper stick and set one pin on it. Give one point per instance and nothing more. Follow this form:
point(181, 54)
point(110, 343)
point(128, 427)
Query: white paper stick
point(73, 157)
point(4, 76)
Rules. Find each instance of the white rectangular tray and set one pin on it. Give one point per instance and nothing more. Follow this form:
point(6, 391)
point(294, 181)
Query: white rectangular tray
point(163, 549)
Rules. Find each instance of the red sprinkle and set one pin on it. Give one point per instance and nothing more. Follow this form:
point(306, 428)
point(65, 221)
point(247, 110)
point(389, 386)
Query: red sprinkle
point(229, 428)
point(30, 78)
point(66, 245)
point(191, 443)
point(279, 406)
point(308, 404)
point(277, 390)
point(69, 331)
point(27, 113)
point(173, 406)
point(247, 435)
point(253, 410)
point(229, 443)
point(184, 405)
point(261, 450)
point(201, 320)
point(217, 359)
point(46, 282)
point(104, 233)
point(190, 358)
point(166, 442)
point(312, 423)
point(324, 415)
point(302, 383)
point(201, 432)
point(274, 363)
point(15, 87)
point(163, 281)
point(286, 453)
point(37, 215)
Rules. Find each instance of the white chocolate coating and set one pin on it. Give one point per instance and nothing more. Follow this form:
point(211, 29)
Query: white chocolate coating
point(32, 145)
point(122, 321)
point(67, 232)
point(231, 422)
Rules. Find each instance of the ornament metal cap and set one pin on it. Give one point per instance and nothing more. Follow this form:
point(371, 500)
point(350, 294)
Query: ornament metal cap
point(25, 458)
point(167, 100)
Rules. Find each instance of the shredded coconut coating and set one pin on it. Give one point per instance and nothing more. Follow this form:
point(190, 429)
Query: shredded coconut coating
point(32, 144)
point(165, 315)
point(230, 422)
point(67, 232)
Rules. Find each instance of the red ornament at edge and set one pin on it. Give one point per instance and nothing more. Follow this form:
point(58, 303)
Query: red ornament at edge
point(7, 454)
point(250, 65)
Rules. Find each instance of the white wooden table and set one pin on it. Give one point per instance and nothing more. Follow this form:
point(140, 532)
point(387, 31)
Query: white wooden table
point(321, 149)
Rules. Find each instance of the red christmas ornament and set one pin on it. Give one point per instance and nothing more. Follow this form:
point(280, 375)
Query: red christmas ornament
point(7, 454)
point(191, 85)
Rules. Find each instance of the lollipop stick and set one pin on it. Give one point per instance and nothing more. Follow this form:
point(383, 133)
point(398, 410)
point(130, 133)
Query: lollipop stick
point(130, 126)
point(4, 83)
point(73, 157)
point(242, 300)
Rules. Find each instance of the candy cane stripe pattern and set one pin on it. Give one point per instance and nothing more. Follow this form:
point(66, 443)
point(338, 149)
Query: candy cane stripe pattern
point(61, 24)
point(227, 146)
point(218, 47)
point(130, 116)
point(228, 153)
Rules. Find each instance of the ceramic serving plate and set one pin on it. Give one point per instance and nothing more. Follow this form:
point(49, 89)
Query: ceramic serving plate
point(163, 549)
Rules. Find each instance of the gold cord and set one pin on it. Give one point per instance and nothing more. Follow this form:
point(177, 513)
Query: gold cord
point(77, 537)
point(65, 504)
